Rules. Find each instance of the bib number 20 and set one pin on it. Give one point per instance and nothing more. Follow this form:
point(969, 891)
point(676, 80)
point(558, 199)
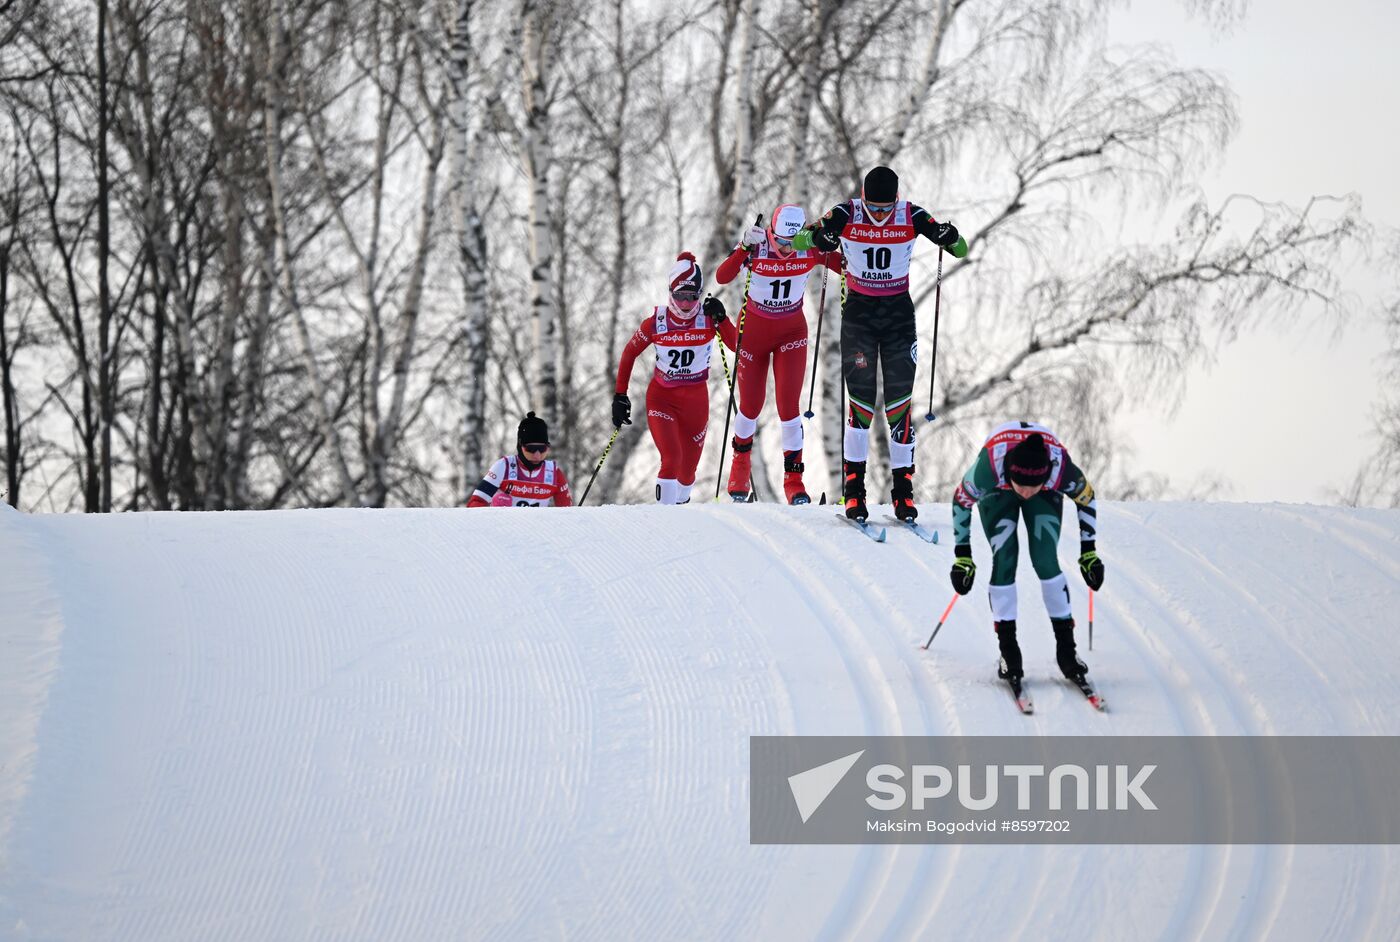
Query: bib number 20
point(681, 358)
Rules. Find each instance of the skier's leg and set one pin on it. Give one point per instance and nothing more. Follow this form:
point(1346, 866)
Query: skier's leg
point(665, 432)
point(752, 376)
point(1000, 513)
point(898, 352)
point(898, 355)
point(789, 370)
point(752, 383)
point(1043, 514)
point(693, 423)
point(859, 349)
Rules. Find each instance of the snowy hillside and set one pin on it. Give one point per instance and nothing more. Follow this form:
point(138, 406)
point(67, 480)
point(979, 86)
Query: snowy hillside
point(506, 725)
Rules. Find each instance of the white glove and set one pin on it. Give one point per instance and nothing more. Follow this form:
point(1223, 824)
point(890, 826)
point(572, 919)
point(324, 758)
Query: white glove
point(755, 236)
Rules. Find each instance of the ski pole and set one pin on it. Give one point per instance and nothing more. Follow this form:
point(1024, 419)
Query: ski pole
point(599, 466)
point(738, 346)
point(817, 350)
point(1091, 619)
point(724, 361)
point(951, 602)
point(937, 299)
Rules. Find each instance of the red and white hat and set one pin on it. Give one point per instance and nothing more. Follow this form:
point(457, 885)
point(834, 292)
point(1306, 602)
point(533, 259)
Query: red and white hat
point(686, 275)
point(785, 222)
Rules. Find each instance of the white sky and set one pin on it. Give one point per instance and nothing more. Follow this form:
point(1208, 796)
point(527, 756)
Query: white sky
point(1318, 91)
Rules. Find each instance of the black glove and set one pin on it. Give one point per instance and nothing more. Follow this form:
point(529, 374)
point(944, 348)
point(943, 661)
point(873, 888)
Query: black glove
point(825, 240)
point(622, 410)
point(714, 310)
point(964, 569)
point(945, 234)
point(1090, 566)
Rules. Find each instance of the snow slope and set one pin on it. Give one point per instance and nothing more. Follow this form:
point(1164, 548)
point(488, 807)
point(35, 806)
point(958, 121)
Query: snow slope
point(438, 724)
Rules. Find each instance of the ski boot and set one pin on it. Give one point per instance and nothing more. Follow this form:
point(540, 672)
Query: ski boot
point(740, 469)
point(1009, 668)
point(793, 489)
point(853, 490)
point(902, 493)
point(1070, 665)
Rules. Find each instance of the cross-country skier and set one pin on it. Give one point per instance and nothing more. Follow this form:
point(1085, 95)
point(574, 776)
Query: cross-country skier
point(1023, 471)
point(775, 328)
point(678, 398)
point(876, 234)
point(529, 478)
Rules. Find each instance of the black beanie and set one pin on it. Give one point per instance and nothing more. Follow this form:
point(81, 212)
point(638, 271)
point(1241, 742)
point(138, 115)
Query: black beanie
point(532, 431)
point(881, 186)
point(1029, 462)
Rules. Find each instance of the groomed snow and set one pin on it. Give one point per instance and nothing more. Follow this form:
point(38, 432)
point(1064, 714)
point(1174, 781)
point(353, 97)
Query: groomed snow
point(509, 724)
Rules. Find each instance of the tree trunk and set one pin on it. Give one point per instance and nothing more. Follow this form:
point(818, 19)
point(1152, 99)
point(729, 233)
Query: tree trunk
point(471, 244)
point(538, 157)
point(106, 356)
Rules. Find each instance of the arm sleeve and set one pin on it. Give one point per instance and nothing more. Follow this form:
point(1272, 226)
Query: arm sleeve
point(1078, 489)
point(563, 498)
point(639, 342)
point(833, 223)
point(489, 485)
point(729, 333)
point(731, 266)
point(979, 480)
point(943, 234)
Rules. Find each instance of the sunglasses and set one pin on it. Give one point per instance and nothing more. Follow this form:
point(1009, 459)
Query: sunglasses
point(686, 295)
point(880, 207)
point(536, 449)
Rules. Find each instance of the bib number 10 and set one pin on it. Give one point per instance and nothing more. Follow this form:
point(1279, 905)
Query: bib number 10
point(878, 258)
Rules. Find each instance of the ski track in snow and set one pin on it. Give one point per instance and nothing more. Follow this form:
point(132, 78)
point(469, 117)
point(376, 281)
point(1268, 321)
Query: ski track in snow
point(424, 724)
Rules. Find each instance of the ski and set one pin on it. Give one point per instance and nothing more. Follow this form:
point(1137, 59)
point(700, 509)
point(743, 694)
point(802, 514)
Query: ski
point(928, 536)
point(1021, 695)
point(1090, 694)
point(864, 527)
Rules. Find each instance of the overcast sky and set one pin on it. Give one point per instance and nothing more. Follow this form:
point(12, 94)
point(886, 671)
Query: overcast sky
point(1288, 417)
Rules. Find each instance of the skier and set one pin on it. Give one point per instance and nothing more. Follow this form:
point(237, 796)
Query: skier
point(678, 398)
point(775, 329)
point(1023, 471)
point(876, 234)
point(529, 478)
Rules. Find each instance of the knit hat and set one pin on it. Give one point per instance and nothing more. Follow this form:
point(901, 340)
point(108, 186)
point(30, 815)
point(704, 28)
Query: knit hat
point(881, 186)
point(532, 431)
point(785, 223)
point(686, 274)
point(1028, 463)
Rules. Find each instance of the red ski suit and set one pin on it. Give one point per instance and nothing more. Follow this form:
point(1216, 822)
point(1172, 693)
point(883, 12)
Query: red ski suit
point(775, 327)
point(678, 398)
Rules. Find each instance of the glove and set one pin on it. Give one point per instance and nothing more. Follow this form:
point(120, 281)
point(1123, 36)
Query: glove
point(825, 240)
point(753, 238)
point(945, 234)
point(622, 410)
point(1090, 566)
point(714, 310)
point(964, 571)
